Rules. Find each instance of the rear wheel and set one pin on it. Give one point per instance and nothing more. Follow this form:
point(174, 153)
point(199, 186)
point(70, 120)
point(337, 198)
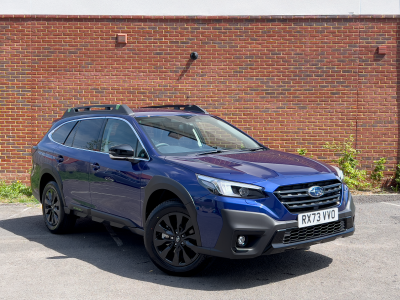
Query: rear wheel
point(167, 230)
point(55, 218)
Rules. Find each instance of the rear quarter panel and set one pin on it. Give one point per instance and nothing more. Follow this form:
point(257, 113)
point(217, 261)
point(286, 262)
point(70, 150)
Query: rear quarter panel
point(43, 161)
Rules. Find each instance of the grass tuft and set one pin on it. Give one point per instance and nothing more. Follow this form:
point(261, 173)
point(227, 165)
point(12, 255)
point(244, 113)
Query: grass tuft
point(16, 192)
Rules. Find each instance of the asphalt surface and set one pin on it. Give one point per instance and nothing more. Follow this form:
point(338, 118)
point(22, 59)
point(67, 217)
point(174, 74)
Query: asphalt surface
point(99, 262)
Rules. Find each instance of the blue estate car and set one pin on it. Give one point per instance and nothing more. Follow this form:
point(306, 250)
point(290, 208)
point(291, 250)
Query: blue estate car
point(191, 184)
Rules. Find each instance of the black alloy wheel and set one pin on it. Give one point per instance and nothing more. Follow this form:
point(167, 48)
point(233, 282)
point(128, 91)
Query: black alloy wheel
point(168, 230)
point(55, 218)
point(170, 236)
point(52, 207)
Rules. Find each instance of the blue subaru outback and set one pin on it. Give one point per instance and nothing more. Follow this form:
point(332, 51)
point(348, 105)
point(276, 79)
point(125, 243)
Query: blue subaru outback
point(193, 185)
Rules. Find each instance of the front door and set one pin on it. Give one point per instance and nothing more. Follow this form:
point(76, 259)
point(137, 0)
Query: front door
point(115, 184)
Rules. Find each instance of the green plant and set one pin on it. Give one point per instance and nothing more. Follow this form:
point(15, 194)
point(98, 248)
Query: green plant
point(348, 163)
point(397, 179)
point(397, 175)
point(377, 172)
point(302, 151)
point(14, 190)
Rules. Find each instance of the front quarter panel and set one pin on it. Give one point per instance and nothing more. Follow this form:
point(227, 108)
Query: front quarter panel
point(159, 167)
point(160, 174)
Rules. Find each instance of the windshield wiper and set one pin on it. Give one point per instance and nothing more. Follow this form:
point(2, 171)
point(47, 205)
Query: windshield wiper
point(212, 152)
point(254, 149)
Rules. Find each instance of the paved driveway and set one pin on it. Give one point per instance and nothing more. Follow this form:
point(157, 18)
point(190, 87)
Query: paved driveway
point(107, 263)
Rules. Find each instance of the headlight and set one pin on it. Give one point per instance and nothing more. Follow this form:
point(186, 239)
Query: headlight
point(231, 188)
point(339, 173)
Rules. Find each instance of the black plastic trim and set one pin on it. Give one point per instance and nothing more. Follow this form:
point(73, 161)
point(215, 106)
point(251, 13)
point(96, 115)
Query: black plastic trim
point(36, 195)
point(277, 241)
point(164, 183)
point(99, 216)
point(278, 248)
point(187, 107)
point(267, 234)
point(53, 172)
point(115, 109)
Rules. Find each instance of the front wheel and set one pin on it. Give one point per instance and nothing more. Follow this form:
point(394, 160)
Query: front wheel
point(167, 229)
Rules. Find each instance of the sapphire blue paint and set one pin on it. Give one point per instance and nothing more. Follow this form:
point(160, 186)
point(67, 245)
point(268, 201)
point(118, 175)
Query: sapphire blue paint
point(115, 186)
point(91, 178)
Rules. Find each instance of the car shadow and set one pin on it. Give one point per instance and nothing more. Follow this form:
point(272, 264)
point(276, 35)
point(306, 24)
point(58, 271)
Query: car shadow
point(92, 243)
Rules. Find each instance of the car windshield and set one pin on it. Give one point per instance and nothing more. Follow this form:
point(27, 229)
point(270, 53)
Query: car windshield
point(188, 134)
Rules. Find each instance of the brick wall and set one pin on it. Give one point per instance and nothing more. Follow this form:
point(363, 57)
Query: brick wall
point(289, 81)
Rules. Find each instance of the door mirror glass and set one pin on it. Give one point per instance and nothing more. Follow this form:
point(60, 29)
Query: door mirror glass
point(124, 152)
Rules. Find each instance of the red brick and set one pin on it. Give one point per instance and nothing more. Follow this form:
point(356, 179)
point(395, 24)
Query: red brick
point(290, 82)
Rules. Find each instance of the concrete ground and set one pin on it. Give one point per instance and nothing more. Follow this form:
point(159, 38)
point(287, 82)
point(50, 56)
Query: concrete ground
point(96, 262)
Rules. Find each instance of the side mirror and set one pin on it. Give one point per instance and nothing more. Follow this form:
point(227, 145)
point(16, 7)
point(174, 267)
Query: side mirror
point(122, 152)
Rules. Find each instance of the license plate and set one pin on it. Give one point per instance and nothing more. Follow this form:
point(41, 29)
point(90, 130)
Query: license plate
point(318, 217)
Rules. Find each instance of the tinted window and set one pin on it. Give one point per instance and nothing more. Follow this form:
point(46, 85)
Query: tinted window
point(140, 152)
point(71, 136)
point(118, 132)
point(87, 135)
point(62, 132)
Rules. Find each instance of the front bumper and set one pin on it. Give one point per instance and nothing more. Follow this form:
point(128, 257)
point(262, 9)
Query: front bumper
point(267, 236)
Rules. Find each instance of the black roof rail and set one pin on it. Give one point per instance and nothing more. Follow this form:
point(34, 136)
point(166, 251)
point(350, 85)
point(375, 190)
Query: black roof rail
point(192, 108)
point(116, 109)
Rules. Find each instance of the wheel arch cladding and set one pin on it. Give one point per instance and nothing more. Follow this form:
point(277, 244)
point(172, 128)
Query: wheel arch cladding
point(156, 189)
point(45, 178)
point(158, 197)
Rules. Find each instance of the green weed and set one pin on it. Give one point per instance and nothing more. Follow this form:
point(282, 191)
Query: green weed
point(302, 151)
point(348, 163)
point(16, 192)
point(377, 172)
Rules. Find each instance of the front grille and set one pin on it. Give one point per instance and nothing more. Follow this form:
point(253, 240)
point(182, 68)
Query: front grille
point(297, 200)
point(313, 232)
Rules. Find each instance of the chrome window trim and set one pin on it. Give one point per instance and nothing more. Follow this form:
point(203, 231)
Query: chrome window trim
point(81, 119)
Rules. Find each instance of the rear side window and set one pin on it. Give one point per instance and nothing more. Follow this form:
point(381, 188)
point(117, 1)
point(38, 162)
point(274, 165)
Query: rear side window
point(62, 132)
point(88, 134)
point(71, 136)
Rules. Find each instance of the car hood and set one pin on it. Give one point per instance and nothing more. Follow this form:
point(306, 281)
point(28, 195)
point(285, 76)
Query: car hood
point(252, 167)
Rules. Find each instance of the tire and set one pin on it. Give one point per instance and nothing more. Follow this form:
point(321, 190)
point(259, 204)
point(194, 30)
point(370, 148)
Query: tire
point(166, 248)
point(55, 218)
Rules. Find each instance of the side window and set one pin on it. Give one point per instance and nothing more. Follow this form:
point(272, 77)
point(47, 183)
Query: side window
point(61, 134)
point(118, 132)
point(140, 152)
point(71, 135)
point(88, 134)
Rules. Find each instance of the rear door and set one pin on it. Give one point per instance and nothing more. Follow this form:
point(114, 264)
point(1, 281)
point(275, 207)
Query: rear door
point(74, 160)
point(45, 159)
point(115, 184)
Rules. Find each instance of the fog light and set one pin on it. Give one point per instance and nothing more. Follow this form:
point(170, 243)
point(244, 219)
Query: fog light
point(241, 241)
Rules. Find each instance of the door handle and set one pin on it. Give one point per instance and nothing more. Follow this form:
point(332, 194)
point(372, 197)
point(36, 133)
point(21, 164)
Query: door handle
point(60, 159)
point(95, 166)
